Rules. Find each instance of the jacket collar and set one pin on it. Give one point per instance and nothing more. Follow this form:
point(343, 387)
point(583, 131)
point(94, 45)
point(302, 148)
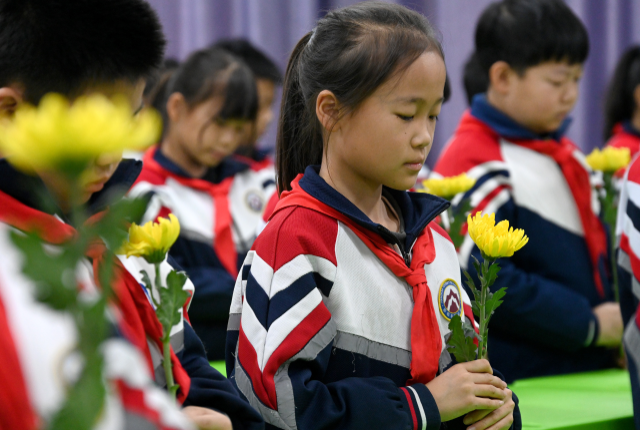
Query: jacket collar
point(229, 167)
point(418, 209)
point(507, 127)
point(630, 129)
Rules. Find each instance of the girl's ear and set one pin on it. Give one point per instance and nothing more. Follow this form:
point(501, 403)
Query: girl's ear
point(176, 107)
point(327, 110)
point(10, 100)
point(500, 76)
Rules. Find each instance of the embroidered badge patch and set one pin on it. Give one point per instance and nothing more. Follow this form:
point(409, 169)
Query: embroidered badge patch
point(254, 201)
point(450, 299)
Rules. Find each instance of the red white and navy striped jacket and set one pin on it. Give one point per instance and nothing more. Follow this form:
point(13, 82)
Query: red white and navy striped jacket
point(201, 385)
point(218, 215)
point(546, 324)
point(320, 328)
point(628, 258)
point(625, 136)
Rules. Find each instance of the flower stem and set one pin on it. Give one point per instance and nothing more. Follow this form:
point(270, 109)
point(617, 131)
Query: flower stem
point(484, 289)
point(166, 343)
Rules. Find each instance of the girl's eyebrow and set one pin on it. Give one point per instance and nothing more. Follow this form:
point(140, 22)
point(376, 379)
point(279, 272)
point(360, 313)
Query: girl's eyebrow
point(416, 100)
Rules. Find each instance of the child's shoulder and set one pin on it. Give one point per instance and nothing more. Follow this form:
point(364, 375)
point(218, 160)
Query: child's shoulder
point(296, 231)
point(473, 143)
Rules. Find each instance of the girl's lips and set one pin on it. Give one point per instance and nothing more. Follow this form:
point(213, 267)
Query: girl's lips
point(414, 166)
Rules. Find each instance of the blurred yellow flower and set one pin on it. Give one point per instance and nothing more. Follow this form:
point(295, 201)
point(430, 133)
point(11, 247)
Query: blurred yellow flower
point(448, 187)
point(58, 134)
point(152, 240)
point(609, 159)
point(495, 241)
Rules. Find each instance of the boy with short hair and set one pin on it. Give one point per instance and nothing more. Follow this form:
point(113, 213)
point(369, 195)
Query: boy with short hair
point(559, 315)
point(78, 47)
point(268, 78)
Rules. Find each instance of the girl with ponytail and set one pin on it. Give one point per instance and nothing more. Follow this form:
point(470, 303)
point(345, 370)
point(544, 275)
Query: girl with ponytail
point(209, 106)
point(341, 308)
point(622, 109)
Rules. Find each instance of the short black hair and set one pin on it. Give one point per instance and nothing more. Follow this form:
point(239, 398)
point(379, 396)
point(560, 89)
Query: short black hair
point(474, 79)
point(65, 46)
point(526, 33)
point(620, 103)
point(261, 65)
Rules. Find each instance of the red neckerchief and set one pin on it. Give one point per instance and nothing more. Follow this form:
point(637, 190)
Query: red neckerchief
point(426, 343)
point(15, 405)
point(139, 320)
point(223, 237)
point(580, 185)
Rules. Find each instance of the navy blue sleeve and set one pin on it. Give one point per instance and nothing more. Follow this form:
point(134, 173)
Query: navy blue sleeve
point(210, 389)
point(536, 308)
point(539, 309)
point(213, 284)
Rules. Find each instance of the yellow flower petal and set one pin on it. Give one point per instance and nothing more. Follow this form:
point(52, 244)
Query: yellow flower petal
point(448, 187)
point(57, 133)
point(610, 159)
point(495, 241)
point(152, 240)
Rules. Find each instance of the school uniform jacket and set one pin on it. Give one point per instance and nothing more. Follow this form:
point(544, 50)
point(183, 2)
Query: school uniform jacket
point(546, 324)
point(628, 258)
point(218, 222)
point(320, 329)
point(625, 136)
point(203, 386)
point(37, 359)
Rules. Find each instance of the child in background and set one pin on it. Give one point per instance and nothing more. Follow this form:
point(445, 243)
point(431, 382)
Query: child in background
point(628, 234)
point(622, 111)
point(336, 320)
point(75, 47)
point(210, 106)
point(268, 78)
point(474, 78)
point(558, 314)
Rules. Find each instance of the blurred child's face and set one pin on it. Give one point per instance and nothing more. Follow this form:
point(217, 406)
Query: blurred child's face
point(103, 168)
point(266, 94)
point(543, 96)
point(205, 139)
point(387, 139)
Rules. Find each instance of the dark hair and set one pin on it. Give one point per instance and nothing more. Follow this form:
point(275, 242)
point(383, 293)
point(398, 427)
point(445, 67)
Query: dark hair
point(208, 73)
point(620, 103)
point(261, 65)
point(525, 33)
point(474, 78)
point(351, 52)
point(158, 78)
point(65, 46)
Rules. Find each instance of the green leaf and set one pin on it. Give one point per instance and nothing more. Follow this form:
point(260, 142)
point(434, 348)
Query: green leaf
point(53, 273)
point(472, 285)
point(172, 299)
point(492, 274)
point(113, 227)
point(460, 342)
point(494, 300)
point(477, 266)
point(475, 308)
point(85, 400)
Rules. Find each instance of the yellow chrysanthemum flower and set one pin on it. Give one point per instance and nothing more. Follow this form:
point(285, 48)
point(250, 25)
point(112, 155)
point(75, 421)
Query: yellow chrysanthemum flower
point(153, 240)
point(609, 159)
point(448, 187)
point(58, 134)
point(495, 241)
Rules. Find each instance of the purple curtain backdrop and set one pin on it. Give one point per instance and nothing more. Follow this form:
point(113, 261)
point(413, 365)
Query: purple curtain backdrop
point(276, 26)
